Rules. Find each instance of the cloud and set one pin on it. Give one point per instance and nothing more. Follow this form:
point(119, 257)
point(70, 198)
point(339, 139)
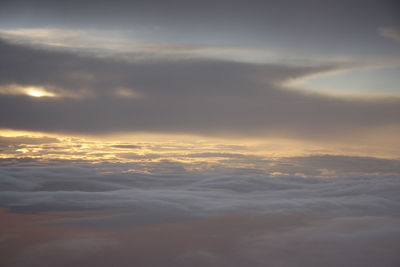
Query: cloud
point(120, 44)
point(337, 165)
point(179, 193)
point(71, 72)
point(127, 146)
point(221, 22)
point(390, 32)
point(26, 140)
point(200, 96)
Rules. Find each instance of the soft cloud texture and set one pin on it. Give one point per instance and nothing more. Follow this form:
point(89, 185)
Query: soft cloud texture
point(176, 192)
point(106, 214)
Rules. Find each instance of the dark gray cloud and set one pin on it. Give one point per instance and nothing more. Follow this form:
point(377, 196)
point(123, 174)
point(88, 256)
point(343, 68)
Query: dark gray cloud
point(176, 95)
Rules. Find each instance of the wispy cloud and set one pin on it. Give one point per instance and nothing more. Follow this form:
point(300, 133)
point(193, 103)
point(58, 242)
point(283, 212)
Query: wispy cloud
point(121, 44)
point(390, 32)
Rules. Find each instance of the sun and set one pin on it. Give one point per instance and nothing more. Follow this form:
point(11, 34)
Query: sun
point(38, 92)
point(35, 93)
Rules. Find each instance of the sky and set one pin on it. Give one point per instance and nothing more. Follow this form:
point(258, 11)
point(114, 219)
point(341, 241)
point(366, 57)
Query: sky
point(230, 128)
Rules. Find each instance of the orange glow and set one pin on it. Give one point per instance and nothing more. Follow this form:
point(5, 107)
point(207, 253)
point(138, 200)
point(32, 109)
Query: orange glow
point(194, 152)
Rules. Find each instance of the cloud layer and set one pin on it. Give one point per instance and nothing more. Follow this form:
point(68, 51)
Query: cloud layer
point(201, 96)
point(108, 214)
point(180, 193)
point(103, 216)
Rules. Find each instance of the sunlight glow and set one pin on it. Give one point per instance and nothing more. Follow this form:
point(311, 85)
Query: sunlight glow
point(139, 151)
point(38, 92)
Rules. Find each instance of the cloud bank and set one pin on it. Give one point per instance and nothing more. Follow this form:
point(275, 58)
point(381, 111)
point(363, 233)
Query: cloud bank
point(180, 193)
point(103, 215)
point(306, 211)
